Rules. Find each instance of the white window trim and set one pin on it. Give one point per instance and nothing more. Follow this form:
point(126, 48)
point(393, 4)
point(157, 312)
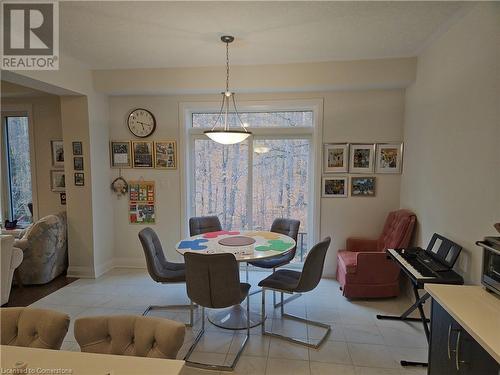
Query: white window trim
point(188, 134)
point(19, 110)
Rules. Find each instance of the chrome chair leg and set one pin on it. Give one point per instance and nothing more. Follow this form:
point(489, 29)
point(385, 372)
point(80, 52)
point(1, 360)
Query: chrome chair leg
point(191, 307)
point(297, 318)
point(207, 366)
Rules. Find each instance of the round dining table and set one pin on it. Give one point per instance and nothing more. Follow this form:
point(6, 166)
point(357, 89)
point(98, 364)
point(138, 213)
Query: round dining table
point(247, 246)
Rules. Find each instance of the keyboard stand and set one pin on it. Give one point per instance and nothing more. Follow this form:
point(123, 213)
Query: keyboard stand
point(419, 303)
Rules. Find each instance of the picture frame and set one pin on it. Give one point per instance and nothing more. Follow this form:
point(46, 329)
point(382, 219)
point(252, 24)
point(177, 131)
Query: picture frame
point(363, 186)
point(78, 163)
point(334, 187)
point(389, 158)
point(57, 181)
point(335, 157)
point(57, 152)
point(165, 153)
point(142, 154)
point(120, 154)
point(77, 148)
point(79, 179)
point(361, 157)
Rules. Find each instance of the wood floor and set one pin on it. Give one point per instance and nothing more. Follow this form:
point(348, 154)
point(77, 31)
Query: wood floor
point(28, 294)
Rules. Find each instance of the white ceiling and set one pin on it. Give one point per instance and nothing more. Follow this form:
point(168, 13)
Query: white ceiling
point(110, 35)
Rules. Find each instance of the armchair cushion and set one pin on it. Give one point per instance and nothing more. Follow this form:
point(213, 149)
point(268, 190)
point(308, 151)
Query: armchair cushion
point(348, 261)
point(361, 244)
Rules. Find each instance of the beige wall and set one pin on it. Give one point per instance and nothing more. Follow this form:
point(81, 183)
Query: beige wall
point(351, 116)
point(452, 134)
point(46, 122)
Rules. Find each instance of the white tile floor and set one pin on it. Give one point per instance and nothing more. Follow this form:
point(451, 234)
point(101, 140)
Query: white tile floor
point(358, 345)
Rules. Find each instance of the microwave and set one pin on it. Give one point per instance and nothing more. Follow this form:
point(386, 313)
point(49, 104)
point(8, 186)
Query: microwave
point(491, 263)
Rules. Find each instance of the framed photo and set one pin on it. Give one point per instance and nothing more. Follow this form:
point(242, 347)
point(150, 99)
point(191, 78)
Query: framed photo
point(79, 179)
point(363, 186)
point(335, 157)
point(389, 157)
point(57, 150)
point(142, 154)
point(77, 148)
point(166, 155)
point(78, 163)
point(361, 159)
point(57, 181)
point(335, 187)
point(120, 154)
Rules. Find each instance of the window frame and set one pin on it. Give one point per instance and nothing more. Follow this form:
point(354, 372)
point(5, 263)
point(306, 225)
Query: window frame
point(188, 134)
point(5, 207)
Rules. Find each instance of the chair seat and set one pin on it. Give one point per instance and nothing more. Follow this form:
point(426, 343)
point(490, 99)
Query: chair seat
point(282, 280)
point(347, 260)
point(272, 262)
point(171, 276)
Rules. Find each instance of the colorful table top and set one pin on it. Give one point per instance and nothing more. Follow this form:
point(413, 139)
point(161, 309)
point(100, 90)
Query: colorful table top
point(266, 245)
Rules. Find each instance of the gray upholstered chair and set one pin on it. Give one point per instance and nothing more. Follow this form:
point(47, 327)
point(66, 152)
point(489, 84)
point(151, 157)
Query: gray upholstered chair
point(130, 335)
point(288, 281)
point(161, 270)
point(290, 228)
point(213, 281)
point(34, 328)
point(204, 224)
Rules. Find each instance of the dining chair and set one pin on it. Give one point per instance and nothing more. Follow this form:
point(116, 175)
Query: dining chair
point(33, 328)
point(213, 281)
point(163, 271)
point(130, 335)
point(204, 224)
point(288, 281)
point(290, 228)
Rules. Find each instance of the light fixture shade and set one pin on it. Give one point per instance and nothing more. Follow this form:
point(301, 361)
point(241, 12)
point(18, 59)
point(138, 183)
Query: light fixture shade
point(227, 137)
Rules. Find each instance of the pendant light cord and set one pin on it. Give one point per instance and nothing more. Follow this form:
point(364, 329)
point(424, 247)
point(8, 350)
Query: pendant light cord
point(227, 66)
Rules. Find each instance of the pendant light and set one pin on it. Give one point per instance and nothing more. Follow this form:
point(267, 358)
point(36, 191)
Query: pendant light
point(224, 134)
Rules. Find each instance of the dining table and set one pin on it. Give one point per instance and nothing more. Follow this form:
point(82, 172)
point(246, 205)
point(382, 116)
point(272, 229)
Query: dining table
point(246, 246)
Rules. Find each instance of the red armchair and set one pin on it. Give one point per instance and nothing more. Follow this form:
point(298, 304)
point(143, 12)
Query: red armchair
point(363, 269)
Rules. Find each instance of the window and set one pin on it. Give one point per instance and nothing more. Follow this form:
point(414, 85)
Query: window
point(248, 185)
point(17, 181)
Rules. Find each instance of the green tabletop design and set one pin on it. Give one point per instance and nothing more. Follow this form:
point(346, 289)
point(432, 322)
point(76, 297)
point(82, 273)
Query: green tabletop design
point(275, 245)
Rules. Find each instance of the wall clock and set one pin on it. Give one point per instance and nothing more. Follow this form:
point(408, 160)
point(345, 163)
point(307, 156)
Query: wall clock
point(141, 123)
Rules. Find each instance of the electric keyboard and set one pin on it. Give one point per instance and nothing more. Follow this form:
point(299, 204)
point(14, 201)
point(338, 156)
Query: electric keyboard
point(412, 265)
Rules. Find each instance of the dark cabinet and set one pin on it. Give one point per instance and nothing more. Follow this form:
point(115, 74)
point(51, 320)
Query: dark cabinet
point(453, 351)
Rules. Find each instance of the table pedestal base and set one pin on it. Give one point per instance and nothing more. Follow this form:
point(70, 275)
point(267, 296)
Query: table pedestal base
point(234, 318)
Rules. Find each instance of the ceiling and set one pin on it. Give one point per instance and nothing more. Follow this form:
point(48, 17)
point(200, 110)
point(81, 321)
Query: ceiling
point(12, 90)
point(111, 35)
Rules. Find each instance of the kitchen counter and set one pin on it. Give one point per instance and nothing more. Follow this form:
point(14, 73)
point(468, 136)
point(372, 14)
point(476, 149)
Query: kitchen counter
point(475, 309)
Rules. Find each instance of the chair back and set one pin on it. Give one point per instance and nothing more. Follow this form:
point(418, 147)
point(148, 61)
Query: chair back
point(290, 228)
point(213, 280)
point(204, 224)
point(397, 231)
point(130, 335)
point(313, 266)
point(155, 258)
point(33, 328)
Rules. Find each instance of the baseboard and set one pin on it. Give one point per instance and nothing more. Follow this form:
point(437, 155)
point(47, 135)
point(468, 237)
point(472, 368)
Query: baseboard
point(101, 269)
point(81, 272)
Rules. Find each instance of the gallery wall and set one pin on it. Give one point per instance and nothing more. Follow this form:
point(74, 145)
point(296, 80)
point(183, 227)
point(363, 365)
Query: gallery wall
point(349, 116)
point(46, 122)
point(452, 134)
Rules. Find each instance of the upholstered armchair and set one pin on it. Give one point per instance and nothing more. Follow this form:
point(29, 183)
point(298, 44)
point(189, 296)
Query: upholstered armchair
point(45, 249)
point(363, 269)
point(11, 259)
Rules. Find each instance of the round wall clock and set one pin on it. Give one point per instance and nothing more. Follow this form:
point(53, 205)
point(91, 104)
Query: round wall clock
point(141, 123)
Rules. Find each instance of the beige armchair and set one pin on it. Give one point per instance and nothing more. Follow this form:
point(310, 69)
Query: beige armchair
point(45, 249)
point(34, 328)
point(11, 259)
point(130, 335)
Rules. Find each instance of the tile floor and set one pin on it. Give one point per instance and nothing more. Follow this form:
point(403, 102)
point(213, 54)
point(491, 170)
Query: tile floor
point(358, 345)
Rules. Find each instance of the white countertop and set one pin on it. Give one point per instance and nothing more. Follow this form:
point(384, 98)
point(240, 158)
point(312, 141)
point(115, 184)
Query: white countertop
point(475, 309)
point(86, 363)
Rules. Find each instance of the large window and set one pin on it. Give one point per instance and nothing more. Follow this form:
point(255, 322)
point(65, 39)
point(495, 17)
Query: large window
point(268, 176)
point(17, 179)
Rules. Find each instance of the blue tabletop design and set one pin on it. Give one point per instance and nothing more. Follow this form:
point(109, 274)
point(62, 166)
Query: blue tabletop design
point(193, 244)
